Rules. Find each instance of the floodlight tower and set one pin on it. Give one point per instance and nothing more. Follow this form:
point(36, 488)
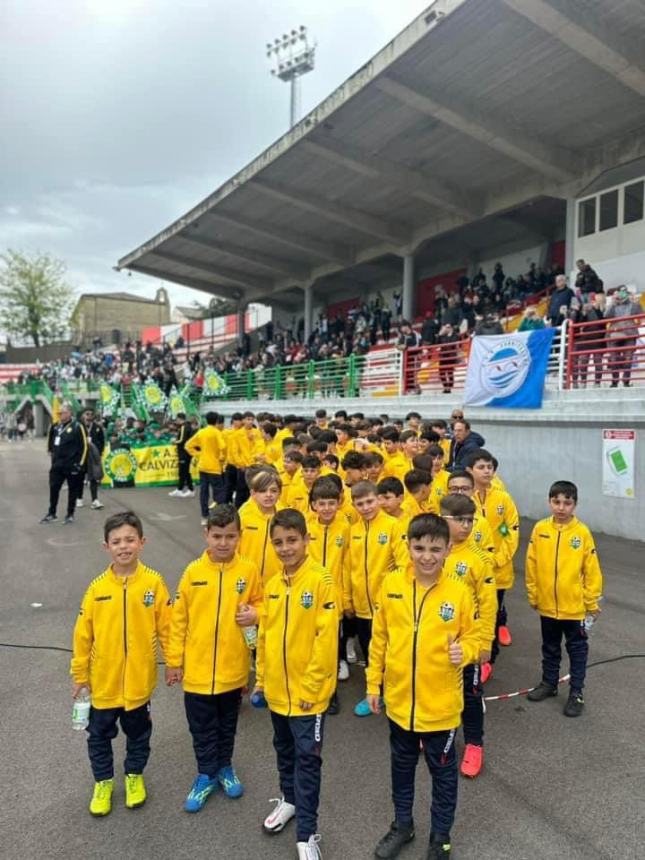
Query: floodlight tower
point(292, 56)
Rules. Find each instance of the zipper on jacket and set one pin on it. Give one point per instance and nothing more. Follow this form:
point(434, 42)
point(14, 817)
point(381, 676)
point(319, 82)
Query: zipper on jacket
point(125, 628)
point(367, 579)
point(264, 550)
point(324, 555)
point(417, 621)
point(284, 646)
point(555, 579)
point(219, 604)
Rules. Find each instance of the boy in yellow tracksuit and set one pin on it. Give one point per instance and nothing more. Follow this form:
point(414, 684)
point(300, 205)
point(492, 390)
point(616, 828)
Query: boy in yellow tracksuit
point(417, 484)
point(124, 614)
point(328, 542)
point(462, 482)
point(255, 516)
point(216, 605)
point(391, 495)
point(246, 447)
point(209, 447)
point(296, 670)
point(564, 584)
point(376, 546)
point(298, 495)
point(498, 509)
point(424, 634)
point(467, 561)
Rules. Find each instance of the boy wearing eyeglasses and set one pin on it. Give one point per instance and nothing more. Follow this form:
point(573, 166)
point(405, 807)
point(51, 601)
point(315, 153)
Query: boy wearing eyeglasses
point(469, 563)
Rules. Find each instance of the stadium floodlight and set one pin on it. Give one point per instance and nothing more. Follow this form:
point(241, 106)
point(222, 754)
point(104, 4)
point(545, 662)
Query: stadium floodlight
point(292, 56)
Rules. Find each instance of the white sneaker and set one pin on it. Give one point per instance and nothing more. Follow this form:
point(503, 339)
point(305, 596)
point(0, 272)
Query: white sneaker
point(280, 817)
point(343, 670)
point(96, 505)
point(309, 850)
point(204, 521)
point(351, 651)
point(188, 494)
point(79, 503)
point(176, 494)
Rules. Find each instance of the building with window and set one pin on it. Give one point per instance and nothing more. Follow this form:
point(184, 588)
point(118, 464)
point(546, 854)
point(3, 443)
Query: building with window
point(115, 318)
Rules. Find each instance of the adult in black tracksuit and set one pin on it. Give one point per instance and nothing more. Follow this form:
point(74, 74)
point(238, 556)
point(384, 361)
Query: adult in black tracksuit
point(184, 432)
point(95, 436)
point(67, 446)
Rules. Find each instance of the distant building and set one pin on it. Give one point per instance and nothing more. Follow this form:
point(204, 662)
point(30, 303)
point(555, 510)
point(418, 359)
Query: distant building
point(114, 318)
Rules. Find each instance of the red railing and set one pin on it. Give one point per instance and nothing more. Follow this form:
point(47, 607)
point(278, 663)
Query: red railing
point(441, 367)
point(606, 352)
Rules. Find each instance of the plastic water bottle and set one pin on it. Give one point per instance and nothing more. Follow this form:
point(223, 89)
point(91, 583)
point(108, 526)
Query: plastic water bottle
point(590, 619)
point(81, 710)
point(258, 700)
point(251, 637)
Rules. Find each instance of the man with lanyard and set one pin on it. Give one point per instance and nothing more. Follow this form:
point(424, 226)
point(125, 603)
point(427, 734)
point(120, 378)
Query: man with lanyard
point(67, 446)
point(96, 437)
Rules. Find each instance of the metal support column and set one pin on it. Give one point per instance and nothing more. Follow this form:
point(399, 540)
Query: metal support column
point(309, 310)
point(408, 287)
point(241, 322)
point(570, 236)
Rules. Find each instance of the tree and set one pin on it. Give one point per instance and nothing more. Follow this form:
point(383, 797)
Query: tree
point(35, 300)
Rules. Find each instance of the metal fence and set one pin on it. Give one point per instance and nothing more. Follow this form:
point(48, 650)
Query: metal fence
point(606, 352)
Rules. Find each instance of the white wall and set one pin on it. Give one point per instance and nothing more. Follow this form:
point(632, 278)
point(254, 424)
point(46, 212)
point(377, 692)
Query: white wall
point(517, 263)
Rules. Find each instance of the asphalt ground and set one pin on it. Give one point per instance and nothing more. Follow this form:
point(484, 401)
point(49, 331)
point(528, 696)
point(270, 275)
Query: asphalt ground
point(552, 787)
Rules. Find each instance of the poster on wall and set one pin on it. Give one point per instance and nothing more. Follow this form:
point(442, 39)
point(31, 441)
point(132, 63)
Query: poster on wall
point(618, 463)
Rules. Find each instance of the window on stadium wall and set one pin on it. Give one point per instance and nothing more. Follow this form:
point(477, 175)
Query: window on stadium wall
point(611, 208)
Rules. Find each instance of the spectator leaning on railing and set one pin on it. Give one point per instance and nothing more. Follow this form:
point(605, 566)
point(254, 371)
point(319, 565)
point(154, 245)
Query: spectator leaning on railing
point(622, 335)
point(560, 301)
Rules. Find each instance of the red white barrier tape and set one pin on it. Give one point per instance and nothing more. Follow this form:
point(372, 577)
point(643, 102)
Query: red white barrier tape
point(504, 696)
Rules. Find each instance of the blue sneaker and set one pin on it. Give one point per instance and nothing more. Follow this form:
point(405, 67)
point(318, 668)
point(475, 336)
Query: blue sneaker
point(362, 709)
point(230, 783)
point(201, 789)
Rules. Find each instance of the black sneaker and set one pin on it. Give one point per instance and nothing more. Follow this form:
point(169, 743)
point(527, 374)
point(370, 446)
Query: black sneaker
point(49, 518)
point(334, 705)
point(438, 851)
point(68, 521)
point(574, 706)
point(397, 836)
point(542, 692)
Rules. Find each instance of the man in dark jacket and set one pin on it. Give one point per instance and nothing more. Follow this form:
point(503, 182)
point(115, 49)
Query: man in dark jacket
point(184, 432)
point(587, 281)
point(67, 447)
point(560, 301)
point(96, 440)
point(464, 441)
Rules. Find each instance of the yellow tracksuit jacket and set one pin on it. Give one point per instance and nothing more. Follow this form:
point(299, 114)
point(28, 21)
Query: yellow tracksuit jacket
point(563, 576)
point(205, 640)
point(347, 508)
point(115, 637)
point(298, 641)
point(475, 567)
point(438, 489)
point(482, 535)
point(499, 511)
point(375, 548)
point(298, 496)
point(397, 466)
point(327, 546)
point(423, 691)
point(246, 446)
point(255, 542)
point(287, 481)
point(206, 445)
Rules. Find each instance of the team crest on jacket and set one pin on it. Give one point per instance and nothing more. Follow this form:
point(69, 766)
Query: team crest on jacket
point(240, 585)
point(575, 542)
point(339, 540)
point(500, 509)
point(447, 611)
point(382, 537)
point(461, 568)
point(477, 536)
point(306, 600)
point(148, 598)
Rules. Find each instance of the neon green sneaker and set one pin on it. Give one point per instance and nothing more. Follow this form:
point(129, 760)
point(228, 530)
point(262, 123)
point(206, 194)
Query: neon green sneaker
point(101, 803)
point(135, 790)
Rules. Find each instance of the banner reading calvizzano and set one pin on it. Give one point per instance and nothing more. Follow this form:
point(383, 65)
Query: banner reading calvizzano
point(152, 466)
point(507, 371)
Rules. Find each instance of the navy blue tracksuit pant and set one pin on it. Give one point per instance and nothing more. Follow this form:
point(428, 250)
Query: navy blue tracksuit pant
point(500, 621)
point(212, 721)
point(441, 758)
point(577, 645)
point(473, 714)
point(210, 484)
point(298, 744)
point(101, 731)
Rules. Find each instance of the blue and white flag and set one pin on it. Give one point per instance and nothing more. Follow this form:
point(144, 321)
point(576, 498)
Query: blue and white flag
point(507, 371)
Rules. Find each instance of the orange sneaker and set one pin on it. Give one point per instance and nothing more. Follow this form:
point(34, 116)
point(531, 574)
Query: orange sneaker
point(486, 672)
point(504, 635)
point(473, 761)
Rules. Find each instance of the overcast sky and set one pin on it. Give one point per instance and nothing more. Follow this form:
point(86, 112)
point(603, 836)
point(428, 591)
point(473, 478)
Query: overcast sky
point(119, 115)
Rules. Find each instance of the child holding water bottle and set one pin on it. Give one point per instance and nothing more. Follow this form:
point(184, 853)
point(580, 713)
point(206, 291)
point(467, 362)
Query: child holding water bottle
point(212, 633)
point(124, 613)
